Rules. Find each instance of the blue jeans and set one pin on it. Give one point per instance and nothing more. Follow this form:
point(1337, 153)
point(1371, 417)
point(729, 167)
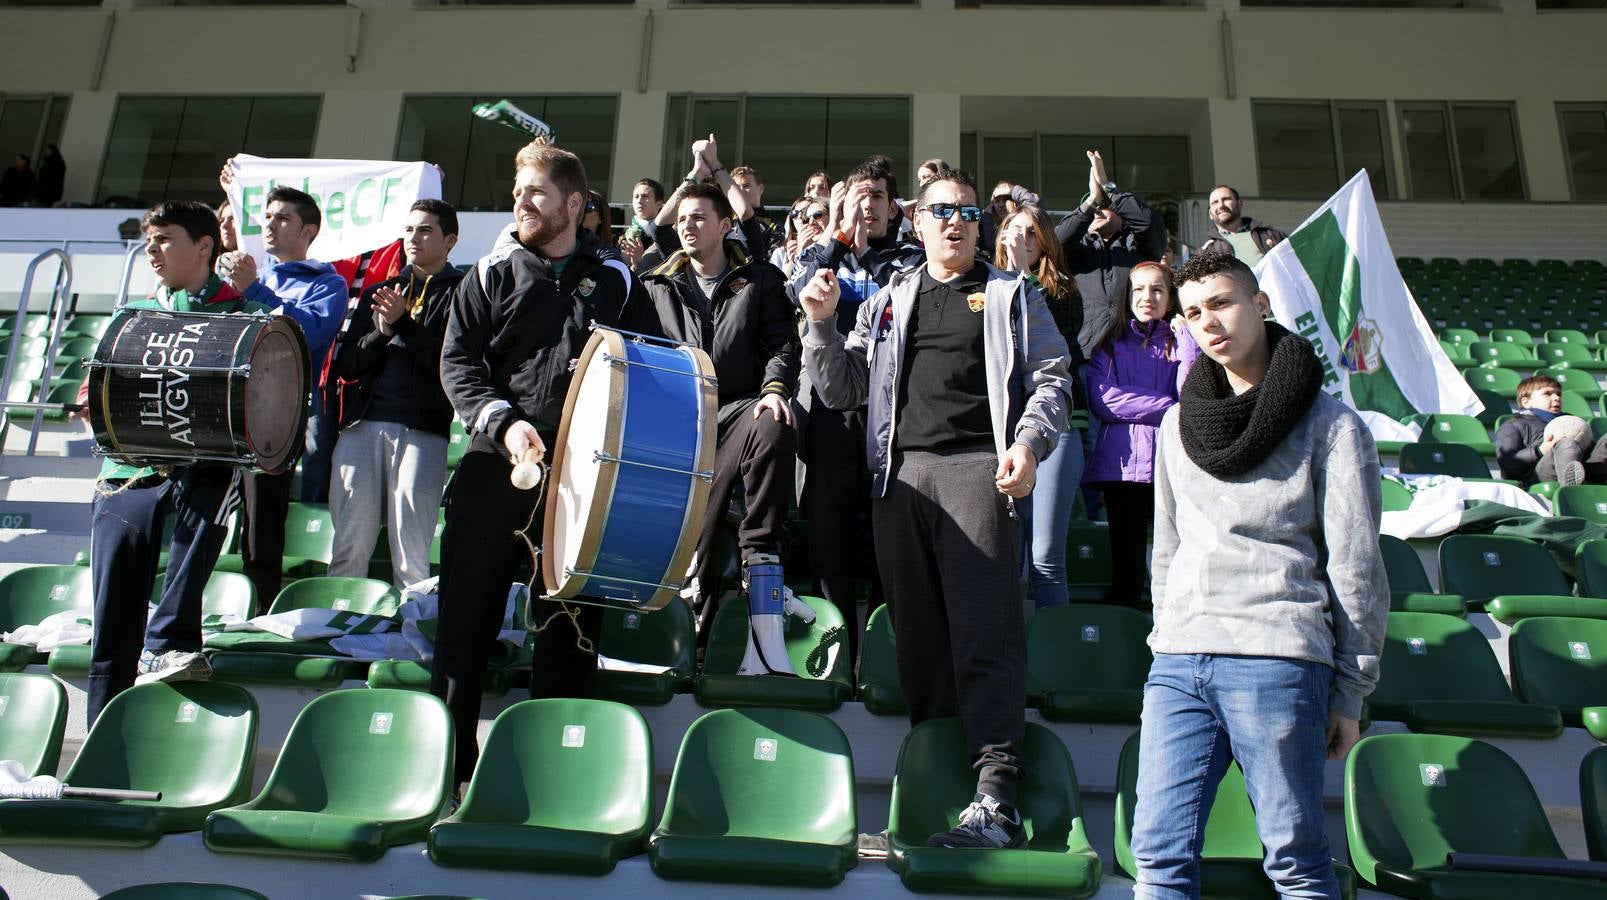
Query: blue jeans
point(1268, 714)
point(1054, 496)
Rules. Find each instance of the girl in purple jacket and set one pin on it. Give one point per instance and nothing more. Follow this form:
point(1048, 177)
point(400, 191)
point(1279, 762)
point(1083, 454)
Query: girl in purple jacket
point(1133, 381)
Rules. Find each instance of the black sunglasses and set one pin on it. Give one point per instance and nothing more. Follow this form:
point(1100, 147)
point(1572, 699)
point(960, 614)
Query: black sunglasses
point(942, 211)
point(802, 215)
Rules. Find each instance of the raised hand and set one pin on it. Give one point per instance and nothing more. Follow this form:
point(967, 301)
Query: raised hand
point(819, 296)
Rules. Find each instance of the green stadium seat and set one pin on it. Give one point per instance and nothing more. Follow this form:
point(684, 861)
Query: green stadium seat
point(309, 543)
point(1231, 859)
point(1593, 801)
point(1409, 587)
point(177, 890)
point(823, 686)
point(1501, 381)
point(31, 595)
point(760, 796)
point(934, 781)
point(194, 742)
point(1482, 566)
point(1495, 406)
point(361, 771)
point(1397, 496)
point(1587, 501)
point(412, 675)
point(562, 786)
point(1574, 355)
point(1088, 662)
point(250, 657)
point(225, 593)
point(1503, 354)
point(1462, 337)
point(1454, 428)
point(1456, 353)
point(665, 638)
point(1458, 460)
point(879, 686)
point(1512, 336)
point(1576, 381)
point(28, 346)
point(33, 718)
point(1088, 565)
point(1438, 674)
point(1562, 662)
point(1575, 405)
point(88, 325)
point(457, 444)
point(76, 348)
point(1413, 799)
point(1513, 608)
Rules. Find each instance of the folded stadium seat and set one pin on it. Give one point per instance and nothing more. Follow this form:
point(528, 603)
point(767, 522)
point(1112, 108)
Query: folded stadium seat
point(1562, 662)
point(71, 349)
point(1397, 496)
point(1458, 460)
point(255, 657)
point(1502, 354)
point(89, 325)
point(562, 786)
point(1462, 337)
point(1593, 801)
point(1088, 561)
point(665, 637)
point(1455, 428)
point(25, 346)
point(29, 596)
point(35, 325)
point(33, 718)
point(1088, 662)
point(1512, 336)
point(179, 890)
point(879, 687)
point(192, 741)
point(1501, 381)
point(226, 593)
point(1457, 353)
point(1409, 587)
point(1590, 561)
point(1230, 861)
point(1575, 405)
point(1574, 355)
point(361, 771)
point(1440, 675)
point(934, 781)
point(1412, 799)
point(1484, 566)
point(819, 654)
point(309, 543)
point(760, 796)
point(1409, 263)
point(1576, 381)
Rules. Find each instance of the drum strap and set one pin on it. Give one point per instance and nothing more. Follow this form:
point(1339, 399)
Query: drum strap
point(572, 611)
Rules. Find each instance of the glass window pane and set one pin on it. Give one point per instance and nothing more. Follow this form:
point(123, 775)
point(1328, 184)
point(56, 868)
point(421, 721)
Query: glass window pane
point(1152, 164)
point(585, 127)
point(1064, 160)
point(1362, 140)
point(435, 129)
point(19, 130)
point(857, 127)
point(1584, 136)
point(967, 153)
point(282, 127)
point(213, 129)
point(785, 139)
point(672, 164)
point(58, 118)
point(1487, 149)
point(719, 118)
point(488, 163)
point(1294, 145)
point(140, 150)
point(1005, 159)
point(1428, 154)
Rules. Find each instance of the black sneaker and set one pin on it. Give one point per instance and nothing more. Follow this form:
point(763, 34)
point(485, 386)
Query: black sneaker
point(986, 824)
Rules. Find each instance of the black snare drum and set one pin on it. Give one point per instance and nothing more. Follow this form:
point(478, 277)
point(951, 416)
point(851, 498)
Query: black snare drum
point(170, 388)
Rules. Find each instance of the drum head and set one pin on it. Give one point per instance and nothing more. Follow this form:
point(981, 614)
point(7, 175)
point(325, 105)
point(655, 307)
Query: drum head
point(577, 496)
point(276, 396)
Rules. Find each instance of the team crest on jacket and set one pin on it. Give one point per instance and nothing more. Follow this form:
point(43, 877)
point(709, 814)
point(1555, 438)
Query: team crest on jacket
point(976, 301)
point(586, 286)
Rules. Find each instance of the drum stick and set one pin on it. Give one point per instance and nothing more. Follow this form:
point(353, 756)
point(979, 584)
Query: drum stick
point(527, 474)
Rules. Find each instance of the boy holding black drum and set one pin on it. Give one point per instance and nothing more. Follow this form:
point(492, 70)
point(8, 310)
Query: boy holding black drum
point(131, 503)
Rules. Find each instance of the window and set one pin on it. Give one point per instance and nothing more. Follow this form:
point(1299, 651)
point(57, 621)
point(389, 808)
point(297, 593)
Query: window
point(171, 148)
point(787, 138)
point(1375, 4)
point(477, 155)
point(1584, 143)
point(1309, 149)
point(1570, 4)
point(1055, 166)
point(28, 123)
point(1461, 151)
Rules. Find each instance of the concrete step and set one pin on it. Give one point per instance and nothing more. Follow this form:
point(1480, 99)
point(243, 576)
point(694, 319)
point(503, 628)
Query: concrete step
point(38, 546)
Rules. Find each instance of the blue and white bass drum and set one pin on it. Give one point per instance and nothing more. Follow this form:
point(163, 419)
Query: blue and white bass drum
point(631, 471)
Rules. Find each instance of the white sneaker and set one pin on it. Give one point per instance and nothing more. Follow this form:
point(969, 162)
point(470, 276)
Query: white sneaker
point(174, 665)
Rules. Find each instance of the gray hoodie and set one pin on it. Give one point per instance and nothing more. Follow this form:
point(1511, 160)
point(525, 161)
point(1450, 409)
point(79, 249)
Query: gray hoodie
point(1281, 561)
point(1028, 383)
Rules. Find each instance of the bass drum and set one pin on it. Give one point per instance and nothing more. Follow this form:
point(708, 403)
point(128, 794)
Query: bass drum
point(631, 472)
point(172, 388)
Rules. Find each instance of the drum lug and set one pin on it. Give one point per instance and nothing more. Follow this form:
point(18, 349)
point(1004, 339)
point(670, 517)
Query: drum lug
point(599, 456)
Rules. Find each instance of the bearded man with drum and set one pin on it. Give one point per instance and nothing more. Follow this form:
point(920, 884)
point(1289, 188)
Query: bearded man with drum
point(518, 324)
point(131, 503)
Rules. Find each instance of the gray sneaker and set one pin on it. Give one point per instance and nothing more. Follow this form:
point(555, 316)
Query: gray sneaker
point(174, 665)
point(985, 824)
point(1571, 473)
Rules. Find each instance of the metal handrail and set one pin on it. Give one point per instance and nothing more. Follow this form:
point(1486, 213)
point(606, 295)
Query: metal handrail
point(129, 255)
point(58, 305)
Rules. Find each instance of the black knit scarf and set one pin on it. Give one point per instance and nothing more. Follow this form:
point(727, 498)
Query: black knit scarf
point(1227, 434)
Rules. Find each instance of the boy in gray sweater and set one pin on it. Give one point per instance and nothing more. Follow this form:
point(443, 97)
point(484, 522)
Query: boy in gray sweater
point(1270, 594)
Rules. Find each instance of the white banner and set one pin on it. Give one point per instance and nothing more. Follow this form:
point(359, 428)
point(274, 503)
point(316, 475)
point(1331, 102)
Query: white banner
point(1335, 283)
point(364, 202)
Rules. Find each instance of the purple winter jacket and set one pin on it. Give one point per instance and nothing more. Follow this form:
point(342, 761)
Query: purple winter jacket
point(1129, 391)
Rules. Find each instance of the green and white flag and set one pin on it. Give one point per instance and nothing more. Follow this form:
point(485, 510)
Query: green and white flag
point(1335, 283)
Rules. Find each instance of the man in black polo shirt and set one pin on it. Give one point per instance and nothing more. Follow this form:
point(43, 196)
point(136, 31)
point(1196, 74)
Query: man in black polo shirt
point(967, 385)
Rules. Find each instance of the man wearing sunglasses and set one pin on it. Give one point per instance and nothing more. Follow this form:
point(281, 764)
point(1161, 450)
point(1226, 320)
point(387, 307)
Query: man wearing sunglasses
point(862, 248)
point(965, 375)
